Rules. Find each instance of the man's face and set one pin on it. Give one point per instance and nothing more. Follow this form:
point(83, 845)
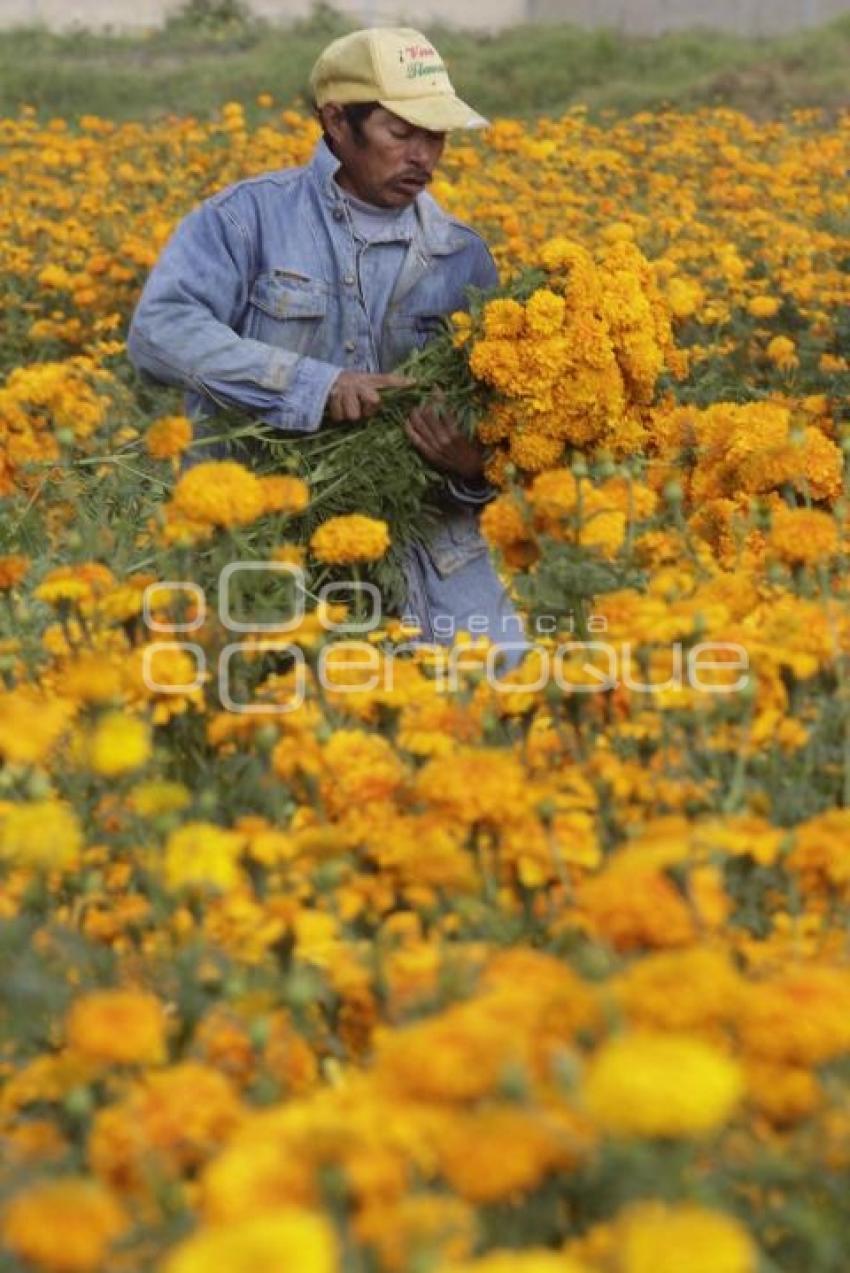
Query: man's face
point(390, 163)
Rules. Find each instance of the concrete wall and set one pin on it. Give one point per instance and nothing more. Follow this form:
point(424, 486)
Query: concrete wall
point(645, 17)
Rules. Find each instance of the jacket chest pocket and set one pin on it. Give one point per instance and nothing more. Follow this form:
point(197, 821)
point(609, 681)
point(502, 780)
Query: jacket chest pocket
point(287, 309)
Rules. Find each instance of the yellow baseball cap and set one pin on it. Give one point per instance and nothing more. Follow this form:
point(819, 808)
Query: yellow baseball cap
point(398, 68)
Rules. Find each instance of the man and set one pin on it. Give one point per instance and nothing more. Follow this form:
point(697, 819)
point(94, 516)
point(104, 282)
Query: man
point(294, 294)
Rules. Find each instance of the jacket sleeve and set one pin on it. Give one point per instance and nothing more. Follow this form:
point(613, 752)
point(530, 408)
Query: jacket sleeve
point(182, 331)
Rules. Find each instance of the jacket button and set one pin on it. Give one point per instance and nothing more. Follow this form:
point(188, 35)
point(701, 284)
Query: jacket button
point(339, 215)
point(349, 280)
point(350, 346)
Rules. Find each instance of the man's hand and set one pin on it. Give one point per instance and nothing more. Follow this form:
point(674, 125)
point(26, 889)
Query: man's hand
point(355, 395)
point(435, 435)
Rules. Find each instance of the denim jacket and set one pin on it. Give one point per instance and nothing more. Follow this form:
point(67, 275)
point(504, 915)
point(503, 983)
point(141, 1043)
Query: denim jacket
point(254, 303)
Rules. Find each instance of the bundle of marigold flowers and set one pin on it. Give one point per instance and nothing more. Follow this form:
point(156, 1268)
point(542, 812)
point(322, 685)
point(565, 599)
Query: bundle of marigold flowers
point(575, 362)
point(565, 356)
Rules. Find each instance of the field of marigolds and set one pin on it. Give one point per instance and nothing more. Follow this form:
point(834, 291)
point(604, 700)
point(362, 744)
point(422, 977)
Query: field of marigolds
point(322, 960)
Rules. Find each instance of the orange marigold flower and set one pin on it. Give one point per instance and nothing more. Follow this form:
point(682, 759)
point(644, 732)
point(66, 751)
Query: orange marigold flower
point(120, 1027)
point(361, 767)
point(169, 1122)
point(168, 437)
point(503, 523)
point(64, 1226)
point(534, 451)
point(799, 1018)
point(803, 536)
point(13, 567)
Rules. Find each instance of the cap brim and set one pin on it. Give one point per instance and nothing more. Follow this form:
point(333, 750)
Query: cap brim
point(438, 113)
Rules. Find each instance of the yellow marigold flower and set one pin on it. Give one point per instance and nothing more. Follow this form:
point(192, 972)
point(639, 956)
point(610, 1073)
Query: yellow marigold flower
point(816, 404)
point(655, 1238)
point(219, 492)
point(55, 276)
point(803, 536)
point(283, 493)
point(82, 583)
point(763, 306)
point(13, 567)
point(149, 799)
point(31, 725)
point(536, 1261)
point(288, 1238)
point(823, 466)
point(686, 296)
point(604, 530)
point(120, 1027)
point(544, 313)
point(461, 328)
point(118, 744)
point(64, 1226)
point(44, 834)
point(504, 319)
point(349, 539)
point(618, 232)
point(782, 352)
point(168, 437)
point(202, 854)
point(497, 468)
point(647, 1084)
point(265, 101)
point(560, 254)
point(183, 530)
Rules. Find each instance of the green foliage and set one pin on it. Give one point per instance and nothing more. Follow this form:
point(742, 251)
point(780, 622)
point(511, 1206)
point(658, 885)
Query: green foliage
point(221, 19)
point(212, 50)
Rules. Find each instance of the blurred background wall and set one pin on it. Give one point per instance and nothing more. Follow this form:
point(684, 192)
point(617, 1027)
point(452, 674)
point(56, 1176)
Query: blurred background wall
point(637, 17)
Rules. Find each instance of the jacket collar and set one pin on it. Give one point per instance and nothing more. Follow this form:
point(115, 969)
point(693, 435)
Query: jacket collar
point(440, 234)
